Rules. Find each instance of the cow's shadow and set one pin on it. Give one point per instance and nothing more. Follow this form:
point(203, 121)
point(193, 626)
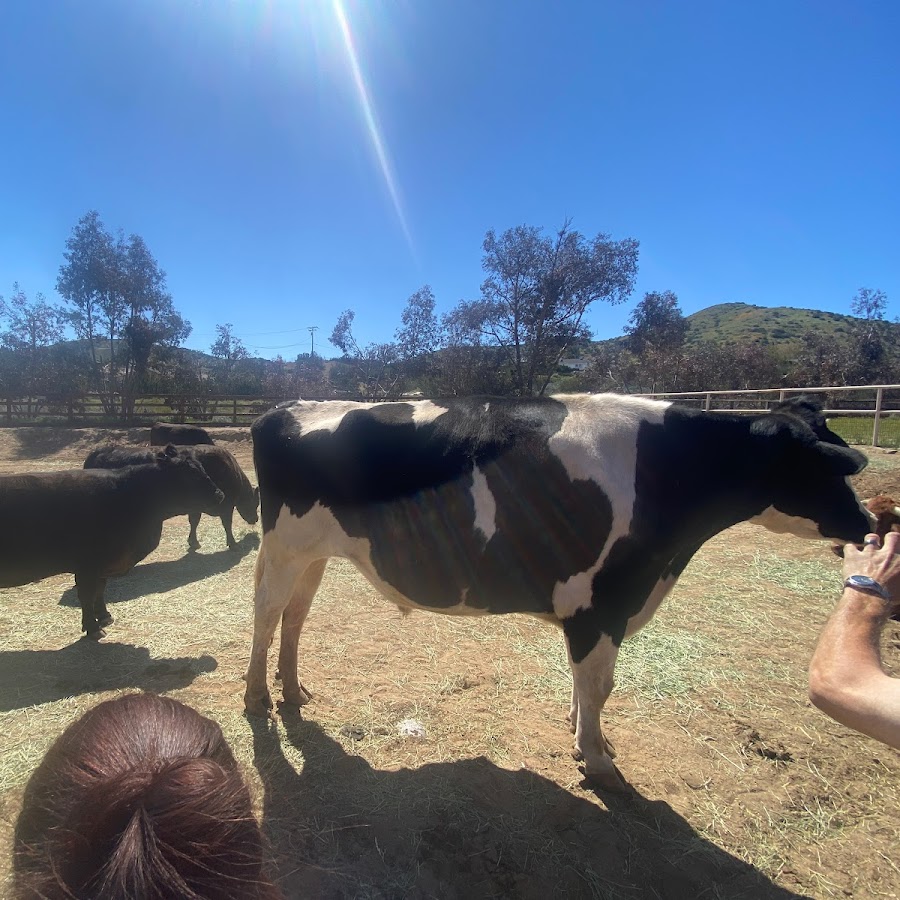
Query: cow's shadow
point(470, 829)
point(32, 677)
point(160, 576)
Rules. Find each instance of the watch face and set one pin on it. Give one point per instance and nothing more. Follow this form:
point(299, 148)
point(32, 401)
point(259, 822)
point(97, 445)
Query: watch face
point(863, 581)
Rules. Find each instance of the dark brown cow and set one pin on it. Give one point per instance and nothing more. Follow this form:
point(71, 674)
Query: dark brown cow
point(162, 433)
point(95, 523)
point(886, 512)
point(219, 464)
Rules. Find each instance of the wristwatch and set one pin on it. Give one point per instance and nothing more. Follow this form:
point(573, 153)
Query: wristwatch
point(868, 585)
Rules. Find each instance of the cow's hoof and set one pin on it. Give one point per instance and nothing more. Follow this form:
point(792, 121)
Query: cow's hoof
point(105, 621)
point(297, 698)
point(258, 707)
point(609, 781)
point(232, 545)
point(95, 634)
point(193, 546)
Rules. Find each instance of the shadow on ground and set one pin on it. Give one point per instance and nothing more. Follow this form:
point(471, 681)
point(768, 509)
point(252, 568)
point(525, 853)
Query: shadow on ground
point(469, 829)
point(167, 575)
point(35, 442)
point(32, 677)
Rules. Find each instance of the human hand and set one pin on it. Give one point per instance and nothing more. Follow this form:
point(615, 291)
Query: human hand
point(880, 563)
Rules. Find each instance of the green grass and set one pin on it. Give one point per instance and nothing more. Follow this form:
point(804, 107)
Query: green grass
point(858, 430)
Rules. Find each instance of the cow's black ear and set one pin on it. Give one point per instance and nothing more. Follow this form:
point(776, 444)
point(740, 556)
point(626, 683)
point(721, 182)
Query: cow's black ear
point(840, 460)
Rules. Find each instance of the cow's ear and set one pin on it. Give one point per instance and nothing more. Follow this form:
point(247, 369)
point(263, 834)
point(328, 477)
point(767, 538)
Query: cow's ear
point(840, 460)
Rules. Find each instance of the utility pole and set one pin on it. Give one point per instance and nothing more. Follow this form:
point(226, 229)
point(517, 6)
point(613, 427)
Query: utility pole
point(312, 329)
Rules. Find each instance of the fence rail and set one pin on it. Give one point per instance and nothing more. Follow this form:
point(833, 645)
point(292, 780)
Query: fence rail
point(878, 402)
point(862, 414)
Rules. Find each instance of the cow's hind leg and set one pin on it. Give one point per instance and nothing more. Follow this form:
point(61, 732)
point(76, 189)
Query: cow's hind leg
point(592, 678)
point(194, 520)
point(291, 624)
point(274, 590)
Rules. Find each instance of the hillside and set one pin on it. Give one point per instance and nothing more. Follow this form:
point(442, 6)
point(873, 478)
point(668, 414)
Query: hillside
point(778, 325)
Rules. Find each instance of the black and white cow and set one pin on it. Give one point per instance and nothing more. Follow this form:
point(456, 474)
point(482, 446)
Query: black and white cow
point(580, 509)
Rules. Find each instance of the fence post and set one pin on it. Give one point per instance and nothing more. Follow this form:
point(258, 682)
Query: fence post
point(708, 401)
point(878, 398)
point(234, 412)
point(781, 395)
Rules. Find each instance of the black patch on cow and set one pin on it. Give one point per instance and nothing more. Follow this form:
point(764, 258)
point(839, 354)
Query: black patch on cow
point(407, 488)
point(699, 474)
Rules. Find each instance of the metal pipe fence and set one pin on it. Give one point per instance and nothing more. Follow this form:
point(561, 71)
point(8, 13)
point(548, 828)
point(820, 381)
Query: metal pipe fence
point(861, 414)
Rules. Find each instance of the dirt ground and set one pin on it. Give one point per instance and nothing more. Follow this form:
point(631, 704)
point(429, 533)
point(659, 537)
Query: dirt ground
point(740, 788)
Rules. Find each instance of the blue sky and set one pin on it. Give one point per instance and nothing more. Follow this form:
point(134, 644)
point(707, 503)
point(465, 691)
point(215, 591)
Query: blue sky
point(752, 148)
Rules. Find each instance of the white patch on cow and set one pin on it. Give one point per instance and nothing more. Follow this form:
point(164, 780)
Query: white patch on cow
point(323, 415)
point(425, 411)
point(780, 523)
point(485, 505)
point(327, 415)
point(598, 442)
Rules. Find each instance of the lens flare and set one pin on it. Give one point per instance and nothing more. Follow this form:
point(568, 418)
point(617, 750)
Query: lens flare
point(371, 120)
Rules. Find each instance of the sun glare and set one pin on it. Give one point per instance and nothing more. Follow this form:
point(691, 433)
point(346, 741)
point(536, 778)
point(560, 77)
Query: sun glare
point(325, 29)
point(369, 115)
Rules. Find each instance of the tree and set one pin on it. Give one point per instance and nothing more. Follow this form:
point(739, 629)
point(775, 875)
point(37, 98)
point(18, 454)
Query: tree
point(229, 350)
point(119, 306)
point(31, 328)
point(419, 336)
point(657, 321)
point(536, 294)
point(376, 367)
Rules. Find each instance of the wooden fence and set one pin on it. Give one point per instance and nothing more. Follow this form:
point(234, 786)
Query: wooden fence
point(90, 409)
point(862, 414)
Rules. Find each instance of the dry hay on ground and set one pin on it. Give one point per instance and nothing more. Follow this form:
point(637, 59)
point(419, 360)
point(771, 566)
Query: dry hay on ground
point(742, 789)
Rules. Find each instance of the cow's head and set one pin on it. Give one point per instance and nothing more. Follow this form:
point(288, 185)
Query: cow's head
point(248, 505)
point(196, 489)
point(886, 512)
point(807, 469)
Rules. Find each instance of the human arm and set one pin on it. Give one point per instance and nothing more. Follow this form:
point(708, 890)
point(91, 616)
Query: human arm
point(846, 679)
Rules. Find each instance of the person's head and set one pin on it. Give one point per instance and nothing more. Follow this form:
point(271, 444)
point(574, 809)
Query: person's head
point(141, 797)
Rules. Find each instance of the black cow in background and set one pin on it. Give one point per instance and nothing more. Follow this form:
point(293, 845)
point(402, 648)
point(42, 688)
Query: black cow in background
point(219, 464)
point(162, 433)
point(95, 524)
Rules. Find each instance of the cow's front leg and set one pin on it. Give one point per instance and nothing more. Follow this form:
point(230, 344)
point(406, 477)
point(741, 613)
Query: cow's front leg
point(101, 613)
point(87, 585)
point(274, 590)
point(291, 624)
point(194, 520)
point(592, 677)
point(572, 718)
point(227, 517)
